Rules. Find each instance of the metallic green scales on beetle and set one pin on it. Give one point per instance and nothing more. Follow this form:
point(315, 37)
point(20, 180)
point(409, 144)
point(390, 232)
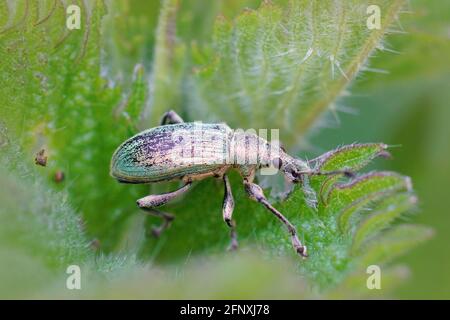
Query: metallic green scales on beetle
point(191, 151)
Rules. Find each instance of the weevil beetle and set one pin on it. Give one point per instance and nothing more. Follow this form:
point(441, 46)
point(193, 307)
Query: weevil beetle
point(156, 155)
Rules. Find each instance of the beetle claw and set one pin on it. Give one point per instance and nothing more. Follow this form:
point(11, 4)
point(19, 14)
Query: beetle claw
point(302, 251)
point(233, 245)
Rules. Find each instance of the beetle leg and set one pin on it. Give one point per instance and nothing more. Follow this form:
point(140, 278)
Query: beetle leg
point(167, 217)
point(156, 200)
point(227, 210)
point(171, 117)
point(148, 204)
point(255, 193)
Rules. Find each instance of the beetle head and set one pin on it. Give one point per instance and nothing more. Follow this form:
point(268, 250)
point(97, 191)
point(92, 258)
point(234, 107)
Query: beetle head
point(296, 169)
point(291, 167)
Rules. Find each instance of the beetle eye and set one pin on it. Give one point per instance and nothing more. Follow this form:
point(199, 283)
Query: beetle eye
point(277, 163)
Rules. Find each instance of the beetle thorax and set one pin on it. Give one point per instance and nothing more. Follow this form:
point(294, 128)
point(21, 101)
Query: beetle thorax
point(247, 148)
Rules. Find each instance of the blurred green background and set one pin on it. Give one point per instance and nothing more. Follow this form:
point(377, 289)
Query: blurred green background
point(132, 56)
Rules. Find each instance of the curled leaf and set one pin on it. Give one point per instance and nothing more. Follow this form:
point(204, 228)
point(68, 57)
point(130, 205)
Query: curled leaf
point(353, 157)
point(347, 199)
point(384, 213)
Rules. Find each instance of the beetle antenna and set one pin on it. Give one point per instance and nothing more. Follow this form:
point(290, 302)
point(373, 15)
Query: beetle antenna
point(303, 168)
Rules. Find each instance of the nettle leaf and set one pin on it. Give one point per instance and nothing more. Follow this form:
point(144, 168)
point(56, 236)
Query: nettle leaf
point(168, 67)
point(36, 218)
point(56, 99)
point(282, 66)
point(130, 109)
point(279, 66)
point(128, 38)
point(382, 215)
point(393, 243)
point(352, 158)
point(335, 232)
point(347, 199)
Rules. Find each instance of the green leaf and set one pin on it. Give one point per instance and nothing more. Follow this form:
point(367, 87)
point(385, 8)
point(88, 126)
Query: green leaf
point(57, 100)
point(35, 218)
point(348, 199)
point(351, 158)
point(168, 65)
point(393, 243)
point(275, 67)
point(280, 66)
point(128, 38)
point(131, 107)
point(383, 214)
